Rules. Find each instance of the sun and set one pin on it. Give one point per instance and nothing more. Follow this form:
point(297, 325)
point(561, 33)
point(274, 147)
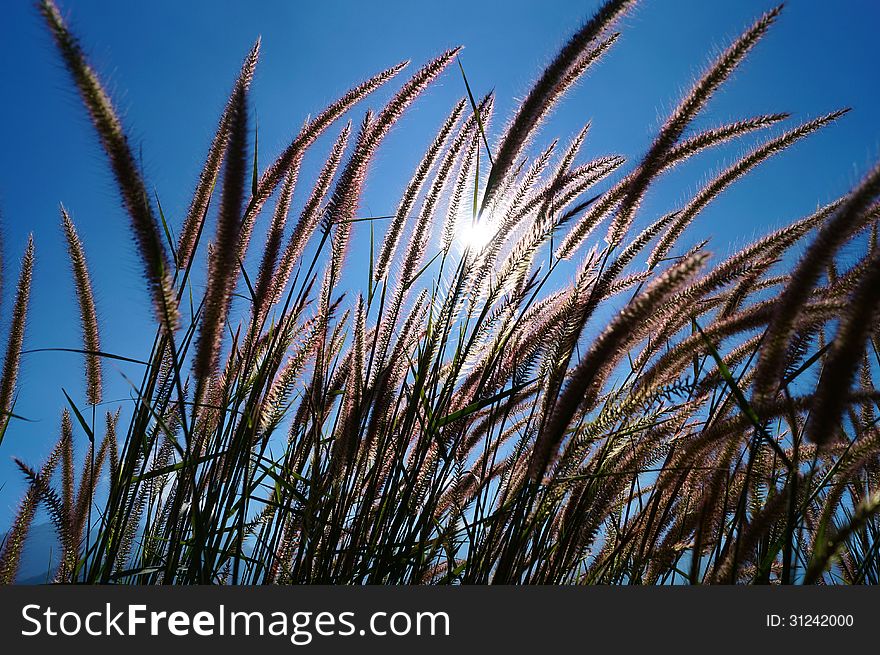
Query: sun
point(476, 235)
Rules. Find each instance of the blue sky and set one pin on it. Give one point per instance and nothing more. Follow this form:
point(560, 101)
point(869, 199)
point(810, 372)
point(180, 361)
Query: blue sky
point(170, 65)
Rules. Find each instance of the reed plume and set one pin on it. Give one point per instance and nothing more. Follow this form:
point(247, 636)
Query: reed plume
point(292, 156)
point(846, 355)
point(198, 208)
point(131, 185)
point(718, 135)
point(12, 358)
point(395, 229)
point(502, 425)
point(273, 175)
point(465, 176)
point(13, 545)
point(309, 217)
point(685, 149)
point(550, 86)
point(421, 229)
point(344, 202)
point(418, 240)
point(672, 129)
point(55, 508)
point(88, 315)
point(862, 514)
point(223, 271)
point(272, 248)
point(583, 382)
point(727, 177)
point(849, 216)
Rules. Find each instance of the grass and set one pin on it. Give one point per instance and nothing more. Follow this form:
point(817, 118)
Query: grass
point(662, 418)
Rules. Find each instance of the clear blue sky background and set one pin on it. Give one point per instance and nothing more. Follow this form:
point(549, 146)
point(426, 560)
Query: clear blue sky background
point(170, 65)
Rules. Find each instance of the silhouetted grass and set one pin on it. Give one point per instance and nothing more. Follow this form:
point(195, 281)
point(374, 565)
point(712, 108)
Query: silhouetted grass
point(458, 418)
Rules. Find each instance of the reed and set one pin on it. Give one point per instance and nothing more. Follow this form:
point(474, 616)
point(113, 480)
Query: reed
point(506, 396)
point(12, 359)
point(88, 315)
point(135, 198)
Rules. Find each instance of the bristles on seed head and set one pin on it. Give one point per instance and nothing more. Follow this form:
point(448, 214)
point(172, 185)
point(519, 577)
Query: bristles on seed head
point(16, 334)
point(87, 312)
point(135, 198)
point(675, 125)
point(198, 209)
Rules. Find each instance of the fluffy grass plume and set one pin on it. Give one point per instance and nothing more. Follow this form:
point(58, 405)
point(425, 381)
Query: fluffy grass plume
point(88, 315)
point(135, 198)
point(497, 394)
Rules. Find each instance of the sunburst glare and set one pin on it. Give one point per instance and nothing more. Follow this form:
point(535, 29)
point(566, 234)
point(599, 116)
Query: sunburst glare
point(476, 234)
